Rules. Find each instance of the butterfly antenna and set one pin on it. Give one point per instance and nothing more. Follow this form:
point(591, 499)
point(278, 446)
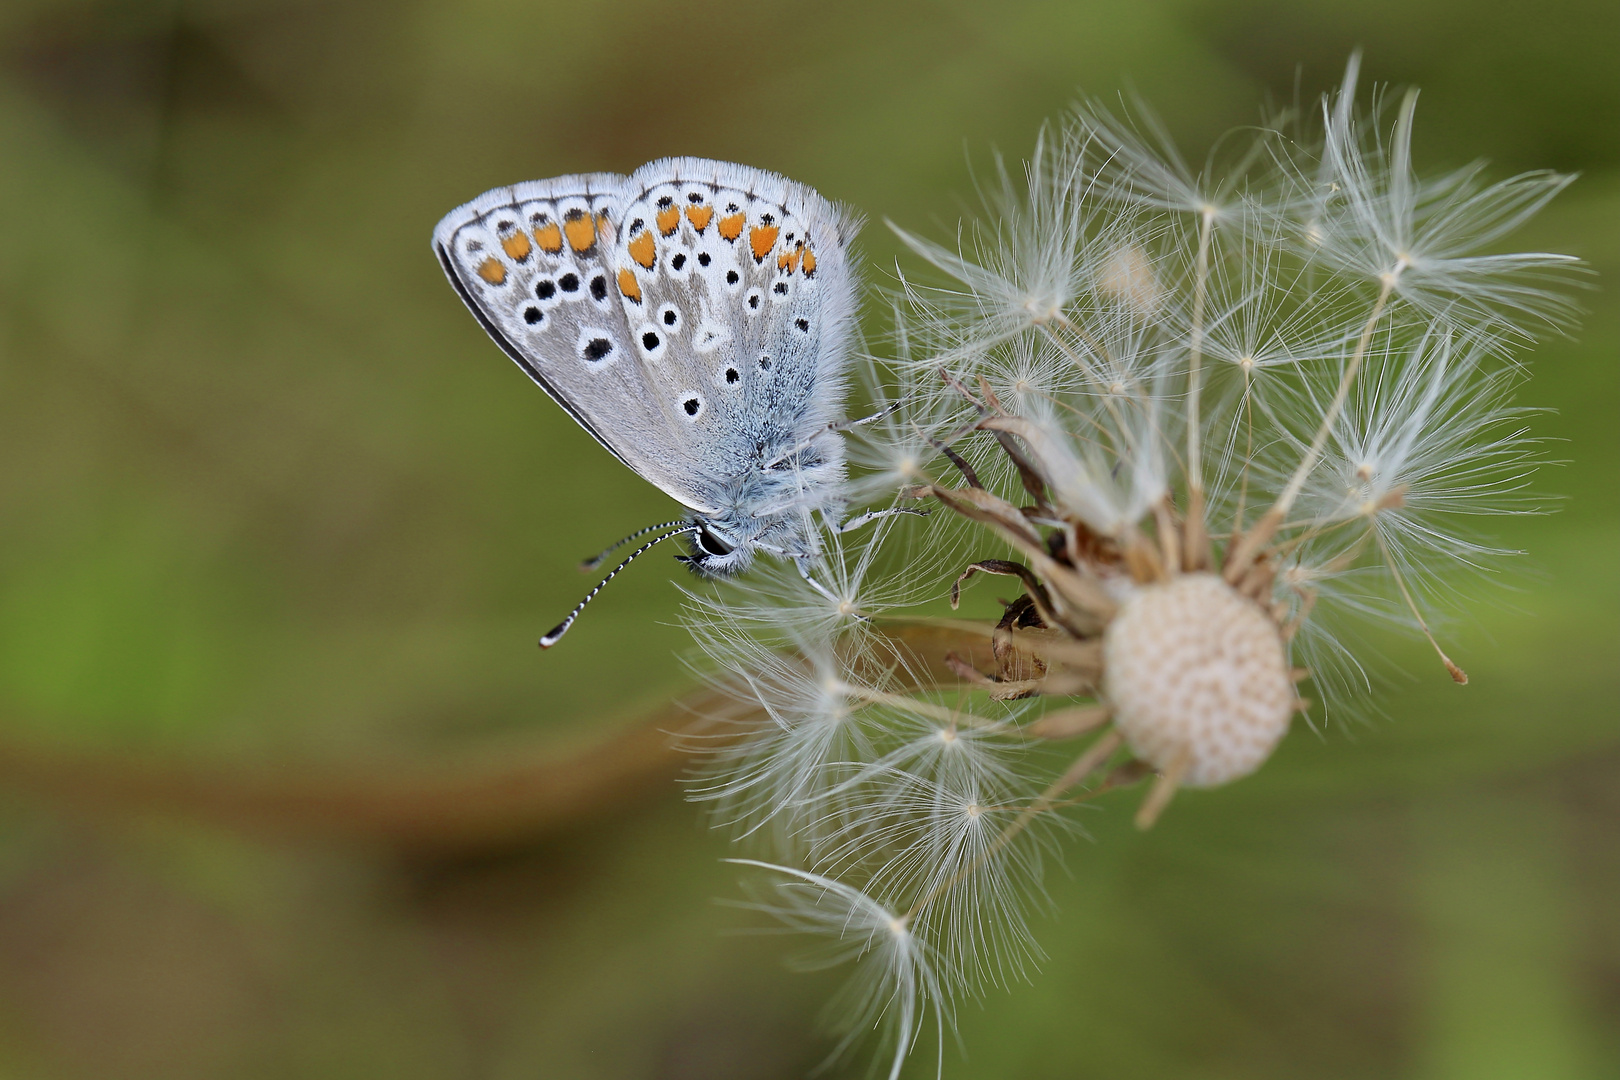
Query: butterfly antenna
point(556, 632)
point(596, 560)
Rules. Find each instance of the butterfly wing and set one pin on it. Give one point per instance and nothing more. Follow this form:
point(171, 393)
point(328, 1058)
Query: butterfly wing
point(740, 300)
point(694, 317)
point(533, 264)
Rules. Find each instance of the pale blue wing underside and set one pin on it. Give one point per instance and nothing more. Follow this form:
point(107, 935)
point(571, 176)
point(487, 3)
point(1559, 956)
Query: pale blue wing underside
point(693, 317)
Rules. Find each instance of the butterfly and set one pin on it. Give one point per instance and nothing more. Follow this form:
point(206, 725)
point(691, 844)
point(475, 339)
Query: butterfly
point(696, 319)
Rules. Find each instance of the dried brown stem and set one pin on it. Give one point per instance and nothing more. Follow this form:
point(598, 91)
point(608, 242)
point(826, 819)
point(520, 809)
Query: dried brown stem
point(486, 800)
point(1007, 568)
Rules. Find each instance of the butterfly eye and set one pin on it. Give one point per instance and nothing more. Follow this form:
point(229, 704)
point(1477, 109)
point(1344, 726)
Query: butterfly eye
point(712, 544)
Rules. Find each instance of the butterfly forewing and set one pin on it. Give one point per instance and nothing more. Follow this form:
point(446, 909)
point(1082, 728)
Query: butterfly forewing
point(693, 317)
point(533, 263)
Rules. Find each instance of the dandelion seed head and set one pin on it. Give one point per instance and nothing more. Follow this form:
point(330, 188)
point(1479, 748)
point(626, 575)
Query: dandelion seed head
point(1198, 677)
point(1210, 428)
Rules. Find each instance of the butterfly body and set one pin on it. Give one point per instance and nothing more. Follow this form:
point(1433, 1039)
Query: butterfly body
point(694, 318)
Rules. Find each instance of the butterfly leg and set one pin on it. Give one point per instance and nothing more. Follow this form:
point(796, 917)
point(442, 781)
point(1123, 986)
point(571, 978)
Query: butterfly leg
point(836, 425)
point(803, 566)
point(872, 515)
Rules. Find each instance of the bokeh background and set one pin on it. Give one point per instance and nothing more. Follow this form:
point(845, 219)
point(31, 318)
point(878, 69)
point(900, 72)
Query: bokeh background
point(286, 789)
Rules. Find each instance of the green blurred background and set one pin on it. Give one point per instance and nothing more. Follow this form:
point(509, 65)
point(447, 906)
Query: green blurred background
point(286, 789)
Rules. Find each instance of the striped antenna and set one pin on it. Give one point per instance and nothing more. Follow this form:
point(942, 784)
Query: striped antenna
point(596, 560)
point(556, 632)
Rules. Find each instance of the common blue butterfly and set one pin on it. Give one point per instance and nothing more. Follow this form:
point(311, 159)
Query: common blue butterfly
point(695, 317)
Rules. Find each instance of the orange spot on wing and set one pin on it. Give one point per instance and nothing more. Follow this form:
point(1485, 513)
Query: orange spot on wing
point(699, 216)
point(517, 246)
point(642, 250)
point(549, 237)
point(761, 238)
point(581, 231)
point(668, 219)
point(793, 259)
point(492, 271)
point(809, 262)
point(731, 227)
point(629, 286)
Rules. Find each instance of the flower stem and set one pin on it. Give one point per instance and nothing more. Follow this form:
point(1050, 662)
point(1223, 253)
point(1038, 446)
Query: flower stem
point(1194, 550)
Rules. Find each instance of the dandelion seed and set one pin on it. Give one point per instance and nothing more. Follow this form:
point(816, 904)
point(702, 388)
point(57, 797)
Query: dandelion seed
point(1424, 239)
point(899, 977)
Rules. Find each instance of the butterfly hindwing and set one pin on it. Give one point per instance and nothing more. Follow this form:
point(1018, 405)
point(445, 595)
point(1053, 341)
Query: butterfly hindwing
point(747, 297)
